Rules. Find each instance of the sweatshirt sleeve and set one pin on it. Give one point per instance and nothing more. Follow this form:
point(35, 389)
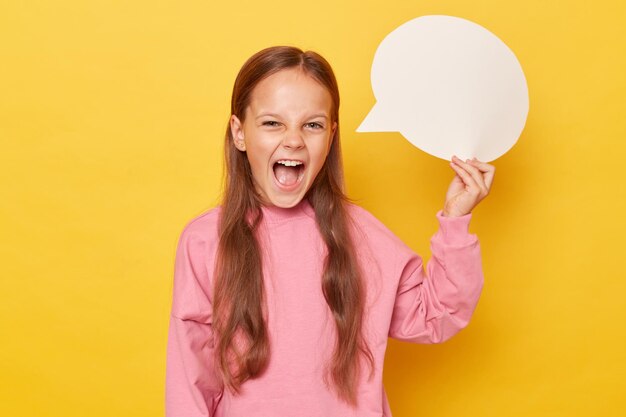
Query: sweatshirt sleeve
point(191, 386)
point(433, 307)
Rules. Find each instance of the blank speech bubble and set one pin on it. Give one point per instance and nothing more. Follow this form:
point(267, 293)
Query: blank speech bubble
point(450, 87)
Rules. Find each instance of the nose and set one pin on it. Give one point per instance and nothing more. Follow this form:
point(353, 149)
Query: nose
point(293, 139)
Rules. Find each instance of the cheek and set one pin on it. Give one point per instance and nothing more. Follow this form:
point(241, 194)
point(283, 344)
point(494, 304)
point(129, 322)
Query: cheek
point(257, 163)
point(259, 157)
point(319, 155)
point(325, 147)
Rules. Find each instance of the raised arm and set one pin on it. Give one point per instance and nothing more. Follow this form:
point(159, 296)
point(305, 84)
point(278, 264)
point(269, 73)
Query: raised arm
point(432, 307)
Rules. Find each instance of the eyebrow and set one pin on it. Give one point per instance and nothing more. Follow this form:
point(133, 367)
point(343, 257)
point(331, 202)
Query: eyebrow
point(322, 115)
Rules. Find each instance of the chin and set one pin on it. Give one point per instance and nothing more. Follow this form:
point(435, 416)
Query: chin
point(286, 201)
point(285, 198)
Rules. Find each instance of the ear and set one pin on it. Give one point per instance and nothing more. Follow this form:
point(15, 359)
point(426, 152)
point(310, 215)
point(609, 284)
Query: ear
point(236, 130)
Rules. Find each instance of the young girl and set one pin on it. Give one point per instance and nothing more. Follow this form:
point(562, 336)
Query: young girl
point(285, 295)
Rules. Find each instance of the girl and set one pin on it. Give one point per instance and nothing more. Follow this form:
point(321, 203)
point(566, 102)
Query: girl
point(285, 295)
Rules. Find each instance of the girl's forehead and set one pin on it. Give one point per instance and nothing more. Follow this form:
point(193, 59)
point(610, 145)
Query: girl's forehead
point(290, 91)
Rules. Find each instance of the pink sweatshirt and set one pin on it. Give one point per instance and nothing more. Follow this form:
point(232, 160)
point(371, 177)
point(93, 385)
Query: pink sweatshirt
point(402, 302)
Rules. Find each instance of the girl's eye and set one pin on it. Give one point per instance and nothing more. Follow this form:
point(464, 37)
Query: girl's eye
point(270, 123)
point(315, 125)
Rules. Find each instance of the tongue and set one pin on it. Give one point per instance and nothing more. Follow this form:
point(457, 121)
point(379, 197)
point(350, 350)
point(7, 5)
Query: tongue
point(286, 175)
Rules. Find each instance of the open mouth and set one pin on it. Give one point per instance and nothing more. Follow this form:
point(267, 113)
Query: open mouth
point(288, 172)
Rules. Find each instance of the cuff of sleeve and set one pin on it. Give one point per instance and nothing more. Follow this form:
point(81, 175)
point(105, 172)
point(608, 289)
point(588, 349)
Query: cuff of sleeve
point(454, 230)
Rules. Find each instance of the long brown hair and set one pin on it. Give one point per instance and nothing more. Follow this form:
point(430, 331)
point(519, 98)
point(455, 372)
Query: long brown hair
point(241, 331)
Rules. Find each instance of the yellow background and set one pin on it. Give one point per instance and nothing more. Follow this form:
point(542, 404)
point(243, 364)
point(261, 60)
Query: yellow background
point(112, 115)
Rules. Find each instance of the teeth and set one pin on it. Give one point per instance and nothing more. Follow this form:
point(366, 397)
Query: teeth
point(289, 163)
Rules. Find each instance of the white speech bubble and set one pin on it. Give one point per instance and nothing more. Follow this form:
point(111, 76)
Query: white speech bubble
point(450, 87)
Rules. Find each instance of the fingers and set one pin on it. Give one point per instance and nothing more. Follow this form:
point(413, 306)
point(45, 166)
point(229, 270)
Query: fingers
point(489, 171)
point(462, 172)
point(473, 172)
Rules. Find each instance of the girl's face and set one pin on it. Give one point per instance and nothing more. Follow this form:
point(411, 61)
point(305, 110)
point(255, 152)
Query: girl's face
point(286, 134)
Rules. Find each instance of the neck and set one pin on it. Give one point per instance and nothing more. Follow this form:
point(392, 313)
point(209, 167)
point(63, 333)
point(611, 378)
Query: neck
point(275, 214)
